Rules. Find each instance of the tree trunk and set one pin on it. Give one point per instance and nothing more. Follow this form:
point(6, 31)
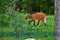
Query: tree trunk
point(57, 19)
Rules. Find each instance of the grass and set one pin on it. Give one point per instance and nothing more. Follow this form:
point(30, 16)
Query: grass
point(40, 32)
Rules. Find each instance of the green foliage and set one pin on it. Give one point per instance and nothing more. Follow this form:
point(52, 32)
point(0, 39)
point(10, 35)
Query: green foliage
point(4, 15)
point(17, 20)
point(25, 31)
point(46, 6)
point(4, 20)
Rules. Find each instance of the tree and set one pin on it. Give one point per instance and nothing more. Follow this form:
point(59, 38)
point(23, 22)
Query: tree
point(57, 19)
point(46, 6)
point(7, 6)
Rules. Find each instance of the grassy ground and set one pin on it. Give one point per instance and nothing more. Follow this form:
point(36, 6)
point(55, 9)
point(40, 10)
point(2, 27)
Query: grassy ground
point(40, 32)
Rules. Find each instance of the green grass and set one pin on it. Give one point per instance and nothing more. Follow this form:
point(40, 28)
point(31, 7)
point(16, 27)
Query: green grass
point(38, 32)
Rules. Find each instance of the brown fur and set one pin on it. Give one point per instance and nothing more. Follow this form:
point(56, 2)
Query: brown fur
point(36, 16)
